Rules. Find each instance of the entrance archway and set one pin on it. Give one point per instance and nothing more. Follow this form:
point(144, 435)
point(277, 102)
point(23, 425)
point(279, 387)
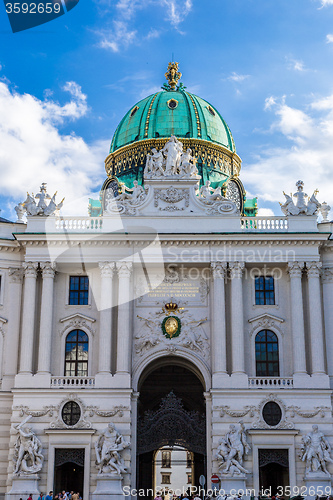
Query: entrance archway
point(68, 470)
point(171, 413)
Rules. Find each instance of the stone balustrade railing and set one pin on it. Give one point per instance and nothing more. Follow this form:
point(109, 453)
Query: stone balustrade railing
point(271, 383)
point(78, 224)
point(77, 382)
point(265, 224)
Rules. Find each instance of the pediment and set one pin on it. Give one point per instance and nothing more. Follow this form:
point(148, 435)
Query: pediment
point(266, 316)
point(77, 321)
point(78, 316)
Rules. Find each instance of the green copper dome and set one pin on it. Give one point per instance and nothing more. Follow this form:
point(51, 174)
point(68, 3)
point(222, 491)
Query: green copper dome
point(173, 112)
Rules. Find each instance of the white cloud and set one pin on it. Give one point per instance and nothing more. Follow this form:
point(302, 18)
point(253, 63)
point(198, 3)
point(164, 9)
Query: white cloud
point(307, 155)
point(235, 77)
point(119, 36)
point(324, 3)
point(33, 150)
point(295, 64)
point(265, 212)
point(329, 38)
point(123, 30)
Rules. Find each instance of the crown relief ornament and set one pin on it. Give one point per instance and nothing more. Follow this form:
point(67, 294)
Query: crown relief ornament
point(171, 324)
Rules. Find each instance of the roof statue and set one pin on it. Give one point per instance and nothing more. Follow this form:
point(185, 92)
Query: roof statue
point(173, 75)
point(305, 205)
point(41, 208)
point(171, 160)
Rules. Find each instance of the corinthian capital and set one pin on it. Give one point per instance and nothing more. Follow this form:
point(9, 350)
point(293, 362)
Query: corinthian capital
point(15, 275)
point(48, 269)
point(30, 269)
point(295, 269)
point(313, 269)
point(236, 269)
point(218, 269)
point(124, 269)
point(327, 274)
point(107, 269)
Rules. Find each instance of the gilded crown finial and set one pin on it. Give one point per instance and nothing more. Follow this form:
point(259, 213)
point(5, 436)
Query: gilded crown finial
point(171, 306)
point(173, 75)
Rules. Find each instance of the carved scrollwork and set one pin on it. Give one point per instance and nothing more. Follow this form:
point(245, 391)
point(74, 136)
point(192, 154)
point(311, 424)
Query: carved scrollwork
point(319, 410)
point(172, 196)
point(248, 410)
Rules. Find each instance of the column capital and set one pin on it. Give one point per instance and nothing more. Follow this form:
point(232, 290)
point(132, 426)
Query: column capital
point(124, 269)
point(236, 269)
point(48, 269)
point(218, 269)
point(295, 269)
point(30, 269)
point(327, 275)
point(107, 269)
point(313, 269)
point(15, 274)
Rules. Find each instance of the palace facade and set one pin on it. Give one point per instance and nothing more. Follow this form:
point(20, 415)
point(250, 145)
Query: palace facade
point(172, 311)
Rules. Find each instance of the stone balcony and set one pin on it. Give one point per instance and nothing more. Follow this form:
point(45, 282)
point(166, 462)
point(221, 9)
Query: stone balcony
point(271, 383)
point(72, 382)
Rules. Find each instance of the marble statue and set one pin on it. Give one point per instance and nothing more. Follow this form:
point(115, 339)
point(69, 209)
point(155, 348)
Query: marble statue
point(173, 149)
point(108, 448)
point(188, 163)
point(171, 160)
point(127, 200)
point(304, 205)
point(154, 163)
point(207, 194)
point(315, 451)
point(231, 450)
point(42, 208)
point(28, 458)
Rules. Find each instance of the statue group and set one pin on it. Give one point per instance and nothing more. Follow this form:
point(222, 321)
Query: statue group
point(305, 205)
point(30, 207)
point(171, 160)
point(315, 452)
point(28, 458)
point(231, 451)
point(108, 449)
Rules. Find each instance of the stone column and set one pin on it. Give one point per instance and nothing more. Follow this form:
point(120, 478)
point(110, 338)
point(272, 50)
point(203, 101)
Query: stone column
point(105, 328)
point(46, 315)
point(237, 317)
point(297, 317)
point(123, 335)
point(316, 318)
point(11, 348)
point(28, 317)
point(218, 347)
point(327, 280)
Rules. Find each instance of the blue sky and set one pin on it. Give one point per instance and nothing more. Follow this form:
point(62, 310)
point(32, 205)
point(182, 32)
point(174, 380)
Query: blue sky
point(266, 65)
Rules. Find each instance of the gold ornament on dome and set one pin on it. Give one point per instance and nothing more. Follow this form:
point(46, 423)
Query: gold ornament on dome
point(173, 75)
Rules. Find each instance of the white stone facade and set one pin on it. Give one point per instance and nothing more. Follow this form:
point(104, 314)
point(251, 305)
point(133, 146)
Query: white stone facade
point(173, 248)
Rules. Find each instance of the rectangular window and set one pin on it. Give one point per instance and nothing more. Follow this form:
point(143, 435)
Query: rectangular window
point(166, 479)
point(166, 459)
point(264, 289)
point(189, 478)
point(78, 290)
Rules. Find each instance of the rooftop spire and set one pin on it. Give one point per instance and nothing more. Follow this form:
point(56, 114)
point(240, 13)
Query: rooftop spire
point(173, 75)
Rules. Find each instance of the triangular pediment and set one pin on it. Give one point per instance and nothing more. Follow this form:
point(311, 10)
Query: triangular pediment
point(77, 316)
point(267, 317)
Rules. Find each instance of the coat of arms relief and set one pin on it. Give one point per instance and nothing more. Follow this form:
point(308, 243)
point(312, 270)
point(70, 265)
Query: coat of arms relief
point(170, 328)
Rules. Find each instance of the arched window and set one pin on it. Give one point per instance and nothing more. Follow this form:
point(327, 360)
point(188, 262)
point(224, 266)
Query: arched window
point(76, 354)
point(267, 354)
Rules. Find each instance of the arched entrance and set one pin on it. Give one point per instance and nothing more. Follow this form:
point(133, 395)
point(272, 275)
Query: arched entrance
point(172, 414)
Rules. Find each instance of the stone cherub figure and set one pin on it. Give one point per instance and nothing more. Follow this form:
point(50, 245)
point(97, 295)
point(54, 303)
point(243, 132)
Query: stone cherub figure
point(231, 450)
point(315, 451)
point(108, 448)
point(28, 458)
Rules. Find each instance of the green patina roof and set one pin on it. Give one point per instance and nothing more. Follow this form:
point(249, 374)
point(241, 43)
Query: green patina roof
point(193, 117)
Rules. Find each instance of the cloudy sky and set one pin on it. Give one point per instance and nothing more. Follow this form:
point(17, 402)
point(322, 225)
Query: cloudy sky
point(266, 65)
